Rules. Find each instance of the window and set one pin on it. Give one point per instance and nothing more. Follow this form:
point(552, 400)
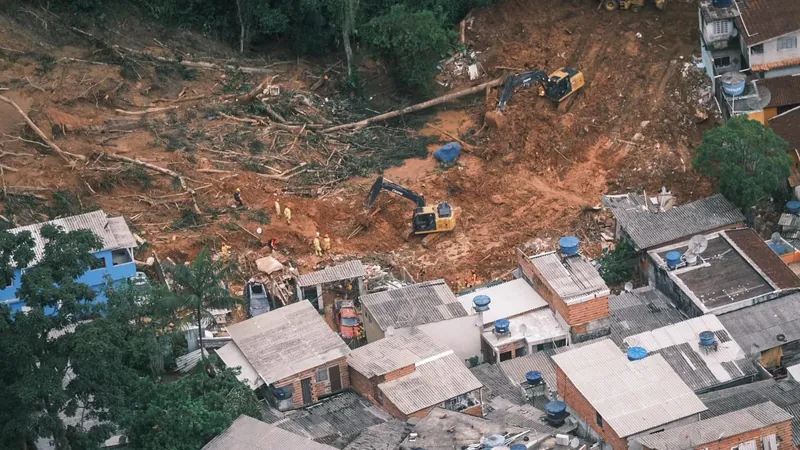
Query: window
point(121, 256)
point(505, 356)
point(522, 351)
point(322, 375)
point(721, 63)
point(787, 43)
point(599, 419)
point(98, 263)
point(721, 27)
point(757, 49)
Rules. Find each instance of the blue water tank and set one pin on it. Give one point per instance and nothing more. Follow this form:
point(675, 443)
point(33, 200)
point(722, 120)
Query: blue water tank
point(282, 393)
point(721, 3)
point(501, 326)
point(518, 447)
point(555, 410)
point(793, 207)
point(534, 377)
point(493, 441)
point(707, 338)
point(636, 353)
point(568, 245)
point(448, 153)
point(481, 303)
point(673, 259)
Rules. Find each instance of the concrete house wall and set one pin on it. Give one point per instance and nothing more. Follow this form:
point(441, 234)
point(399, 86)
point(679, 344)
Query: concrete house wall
point(95, 278)
point(772, 55)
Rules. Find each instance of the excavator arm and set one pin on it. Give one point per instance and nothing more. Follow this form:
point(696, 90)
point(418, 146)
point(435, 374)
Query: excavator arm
point(523, 79)
point(383, 184)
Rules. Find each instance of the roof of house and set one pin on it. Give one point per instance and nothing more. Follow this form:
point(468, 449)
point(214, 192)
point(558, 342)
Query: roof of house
point(784, 91)
point(573, 278)
point(639, 310)
point(394, 352)
point(735, 269)
point(113, 232)
point(523, 416)
point(509, 299)
point(331, 274)
point(337, 420)
point(787, 125)
point(631, 396)
point(721, 427)
point(701, 369)
point(433, 382)
point(765, 325)
point(251, 434)
point(233, 357)
point(384, 436)
point(442, 429)
point(516, 368)
point(287, 341)
point(767, 19)
point(535, 327)
point(649, 229)
point(413, 305)
point(497, 384)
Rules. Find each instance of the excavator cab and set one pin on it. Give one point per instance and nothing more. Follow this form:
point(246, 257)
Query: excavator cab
point(561, 84)
point(427, 219)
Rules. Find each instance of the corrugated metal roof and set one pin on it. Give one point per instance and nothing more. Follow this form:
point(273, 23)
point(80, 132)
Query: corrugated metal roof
point(189, 361)
point(648, 229)
point(640, 310)
point(349, 270)
point(573, 278)
point(496, 384)
point(516, 368)
point(417, 304)
point(509, 299)
point(715, 429)
point(233, 357)
point(384, 436)
point(393, 352)
point(523, 416)
point(287, 341)
point(442, 429)
point(758, 327)
point(113, 232)
point(679, 344)
point(246, 433)
point(430, 384)
point(630, 396)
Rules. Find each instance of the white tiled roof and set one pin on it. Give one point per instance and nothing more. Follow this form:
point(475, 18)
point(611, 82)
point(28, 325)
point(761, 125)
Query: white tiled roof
point(631, 396)
point(536, 327)
point(430, 384)
point(509, 299)
point(573, 278)
point(393, 352)
point(246, 433)
point(287, 341)
point(233, 357)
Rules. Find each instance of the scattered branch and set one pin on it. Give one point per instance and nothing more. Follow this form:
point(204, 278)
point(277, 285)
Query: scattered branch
point(44, 137)
point(145, 111)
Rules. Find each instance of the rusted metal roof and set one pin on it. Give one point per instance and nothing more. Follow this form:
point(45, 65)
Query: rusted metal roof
point(331, 274)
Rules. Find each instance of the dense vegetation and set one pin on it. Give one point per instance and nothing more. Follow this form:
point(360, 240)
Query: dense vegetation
point(618, 265)
point(749, 161)
point(105, 378)
point(410, 36)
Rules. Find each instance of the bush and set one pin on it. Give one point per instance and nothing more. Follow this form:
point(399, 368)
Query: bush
point(617, 266)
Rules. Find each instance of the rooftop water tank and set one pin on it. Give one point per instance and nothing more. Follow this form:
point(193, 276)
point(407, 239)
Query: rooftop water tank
point(448, 153)
point(673, 259)
point(501, 326)
point(707, 338)
point(481, 303)
point(733, 83)
point(493, 441)
point(721, 3)
point(568, 245)
point(534, 377)
point(282, 393)
point(793, 207)
point(519, 447)
point(556, 411)
point(636, 353)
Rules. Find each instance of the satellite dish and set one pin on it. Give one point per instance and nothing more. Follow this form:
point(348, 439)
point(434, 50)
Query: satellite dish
point(523, 329)
point(776, 238)
point(761, 100)
point(628, 286)
point(697, 245)
point(390, 331)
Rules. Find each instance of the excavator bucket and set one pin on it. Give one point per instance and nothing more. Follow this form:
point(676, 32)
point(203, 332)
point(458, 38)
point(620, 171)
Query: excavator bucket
point(373, 193)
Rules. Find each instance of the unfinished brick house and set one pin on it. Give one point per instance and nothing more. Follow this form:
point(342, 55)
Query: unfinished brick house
point(408, 375)
point(617, 401)
point(291, 351)
point(573, 288)
point(759, 427)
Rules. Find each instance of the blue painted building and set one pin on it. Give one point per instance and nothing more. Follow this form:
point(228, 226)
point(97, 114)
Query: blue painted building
point(115, 255)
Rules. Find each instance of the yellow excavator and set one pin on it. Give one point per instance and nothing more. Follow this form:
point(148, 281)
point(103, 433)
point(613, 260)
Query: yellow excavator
point(633, 5)
point(558, 86)
point(427, 219)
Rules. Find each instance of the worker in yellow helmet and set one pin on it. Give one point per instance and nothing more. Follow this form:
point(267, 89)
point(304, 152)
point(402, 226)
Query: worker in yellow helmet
point(277, 207)
point(288, 213)
point(326, 244)
point(237, 195)
point(317, 247)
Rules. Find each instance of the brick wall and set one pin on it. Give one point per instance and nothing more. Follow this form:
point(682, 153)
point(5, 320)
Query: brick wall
point(572, 397)
point(588, 311)
point(476, 411)
point(398, 373)
point(783, 430)
point(368, 387)
point(318, 388)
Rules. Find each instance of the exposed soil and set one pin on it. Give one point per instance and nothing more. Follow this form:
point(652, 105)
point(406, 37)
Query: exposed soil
point(534, 180)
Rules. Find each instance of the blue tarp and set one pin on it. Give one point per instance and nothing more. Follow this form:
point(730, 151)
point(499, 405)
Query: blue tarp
point(448, 153)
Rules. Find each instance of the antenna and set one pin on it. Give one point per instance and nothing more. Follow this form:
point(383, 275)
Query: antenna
point(762, 98)
point(697, 244)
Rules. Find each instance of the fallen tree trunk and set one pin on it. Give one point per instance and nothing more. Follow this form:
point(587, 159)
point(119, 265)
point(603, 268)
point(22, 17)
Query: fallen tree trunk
point(39, 132)
point(201, 65)
point(418, 106)
point(163, 170)
point(146, 111)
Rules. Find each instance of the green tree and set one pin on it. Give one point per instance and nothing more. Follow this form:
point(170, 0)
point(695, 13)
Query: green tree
point(201, 286)
point(749, 161)
point(617, 266)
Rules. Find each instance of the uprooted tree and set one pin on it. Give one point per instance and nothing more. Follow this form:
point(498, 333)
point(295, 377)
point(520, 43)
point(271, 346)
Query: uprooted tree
point(748, 160)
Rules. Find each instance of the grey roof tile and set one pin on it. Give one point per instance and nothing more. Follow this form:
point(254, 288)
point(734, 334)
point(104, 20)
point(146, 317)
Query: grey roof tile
point(756, 328)
point(573, 278)
point(346, 271)
point(516, 368)
point(393, 352)
point(417, 304)
point(496, 384)
point(384, 436)
point(247, 433)
point(640, 310)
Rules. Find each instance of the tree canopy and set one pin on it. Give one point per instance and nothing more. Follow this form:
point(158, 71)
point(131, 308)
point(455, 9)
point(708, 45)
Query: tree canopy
point(749, 161)
point(617, 266)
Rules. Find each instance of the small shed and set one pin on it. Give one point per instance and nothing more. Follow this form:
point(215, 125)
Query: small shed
point(347, 277)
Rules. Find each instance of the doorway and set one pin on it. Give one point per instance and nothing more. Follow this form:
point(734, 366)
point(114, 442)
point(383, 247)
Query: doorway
point(305, 385)
point(335, 378)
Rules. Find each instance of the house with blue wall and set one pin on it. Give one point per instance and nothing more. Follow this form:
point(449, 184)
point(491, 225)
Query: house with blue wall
point(115, 255)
